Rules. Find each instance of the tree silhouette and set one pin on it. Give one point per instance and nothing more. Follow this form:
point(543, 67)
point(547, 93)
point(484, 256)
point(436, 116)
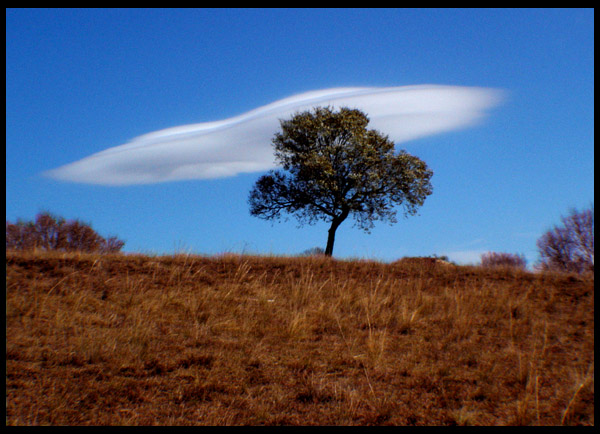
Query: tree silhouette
point(334, 167)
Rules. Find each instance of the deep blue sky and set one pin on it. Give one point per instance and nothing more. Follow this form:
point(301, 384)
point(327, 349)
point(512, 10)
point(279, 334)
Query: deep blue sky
point(81, 81)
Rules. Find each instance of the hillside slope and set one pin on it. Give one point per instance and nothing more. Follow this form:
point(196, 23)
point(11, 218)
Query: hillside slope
point(232, 340)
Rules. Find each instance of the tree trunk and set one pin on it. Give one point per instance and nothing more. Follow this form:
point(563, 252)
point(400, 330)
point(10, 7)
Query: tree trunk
point(330, 240)
point(335, 223)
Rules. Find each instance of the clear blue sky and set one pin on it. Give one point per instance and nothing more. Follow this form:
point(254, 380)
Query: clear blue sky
point(81, 81)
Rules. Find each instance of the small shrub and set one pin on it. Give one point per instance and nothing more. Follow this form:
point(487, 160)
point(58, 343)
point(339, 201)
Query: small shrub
point(494, 259)
point(49, 232)
point(315, 251)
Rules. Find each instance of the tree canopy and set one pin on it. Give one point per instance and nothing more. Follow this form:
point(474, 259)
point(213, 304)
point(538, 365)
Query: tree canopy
point(334, 167)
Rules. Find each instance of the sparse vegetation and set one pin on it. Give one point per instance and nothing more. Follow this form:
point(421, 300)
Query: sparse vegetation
point(49, 232)
point(239, 340)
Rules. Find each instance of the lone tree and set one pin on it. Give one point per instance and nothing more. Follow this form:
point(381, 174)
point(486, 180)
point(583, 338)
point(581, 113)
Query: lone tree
point(333, 166)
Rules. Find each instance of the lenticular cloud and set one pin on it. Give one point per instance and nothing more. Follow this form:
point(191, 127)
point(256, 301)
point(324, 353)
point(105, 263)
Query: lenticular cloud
point(242, 144)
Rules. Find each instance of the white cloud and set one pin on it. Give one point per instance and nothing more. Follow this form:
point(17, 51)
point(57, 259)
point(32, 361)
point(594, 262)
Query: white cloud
point(242, 144)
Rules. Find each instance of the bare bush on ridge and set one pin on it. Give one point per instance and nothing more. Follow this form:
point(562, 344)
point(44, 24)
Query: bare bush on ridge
point(49, 232)
point(569, 247)
point(495, 259)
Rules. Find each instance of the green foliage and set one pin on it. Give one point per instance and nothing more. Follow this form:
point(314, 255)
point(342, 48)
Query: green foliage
point(333, 167)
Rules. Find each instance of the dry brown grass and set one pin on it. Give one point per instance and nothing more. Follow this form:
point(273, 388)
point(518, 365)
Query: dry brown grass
point(234, 340)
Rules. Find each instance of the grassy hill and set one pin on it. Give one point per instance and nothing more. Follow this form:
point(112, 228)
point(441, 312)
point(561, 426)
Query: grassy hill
point(234, 340)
